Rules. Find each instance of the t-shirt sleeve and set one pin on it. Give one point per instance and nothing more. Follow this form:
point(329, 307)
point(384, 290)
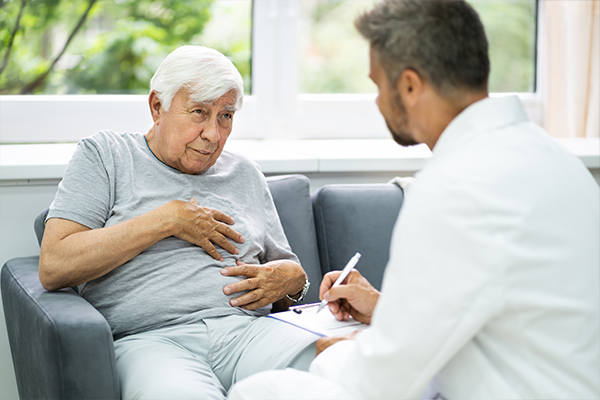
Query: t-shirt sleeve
point(84, 194)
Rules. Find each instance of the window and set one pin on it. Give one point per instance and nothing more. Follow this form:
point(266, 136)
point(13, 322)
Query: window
point(511, 29)
point(332, 52)
point(304, 66)
point(332, 58)
point(112, 46)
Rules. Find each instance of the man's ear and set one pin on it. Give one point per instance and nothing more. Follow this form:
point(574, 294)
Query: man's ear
point(155, 106)
point(410, 86)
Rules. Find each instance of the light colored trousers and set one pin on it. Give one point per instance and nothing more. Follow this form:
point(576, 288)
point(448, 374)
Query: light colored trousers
point(202, 360)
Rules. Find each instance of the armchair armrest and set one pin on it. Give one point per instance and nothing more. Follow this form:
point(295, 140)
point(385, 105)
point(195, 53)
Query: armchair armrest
point(62, 347)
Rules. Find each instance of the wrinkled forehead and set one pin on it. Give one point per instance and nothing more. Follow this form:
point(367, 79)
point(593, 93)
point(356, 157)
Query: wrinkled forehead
point(227, 101)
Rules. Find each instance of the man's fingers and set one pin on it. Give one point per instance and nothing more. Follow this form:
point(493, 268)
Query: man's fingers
point(230, 233)
point(221, 216)
point(210, 249)
point(222, 242)
point(247, 299)
point(240, 286)
point(257, 304)
point(242, 270)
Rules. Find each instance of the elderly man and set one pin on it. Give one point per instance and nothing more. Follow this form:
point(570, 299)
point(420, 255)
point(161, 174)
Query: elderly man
point(177, 242)
point(491, 290)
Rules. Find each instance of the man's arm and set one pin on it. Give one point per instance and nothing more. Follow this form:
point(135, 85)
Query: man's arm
point(72, 253)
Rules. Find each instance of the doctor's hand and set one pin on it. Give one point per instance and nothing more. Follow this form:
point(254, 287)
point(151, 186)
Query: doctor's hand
point(202, 226)
point(356, 297)
point(327, 341)
point(266, 284)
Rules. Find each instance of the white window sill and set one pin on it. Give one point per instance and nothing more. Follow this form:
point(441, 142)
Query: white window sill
point(20, 164)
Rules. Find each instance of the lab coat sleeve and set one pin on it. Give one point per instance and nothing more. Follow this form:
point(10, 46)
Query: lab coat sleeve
point(443, 282)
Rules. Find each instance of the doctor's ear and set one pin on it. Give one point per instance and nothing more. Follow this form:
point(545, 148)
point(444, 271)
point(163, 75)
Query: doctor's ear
point(155, 105)
point(410, 86)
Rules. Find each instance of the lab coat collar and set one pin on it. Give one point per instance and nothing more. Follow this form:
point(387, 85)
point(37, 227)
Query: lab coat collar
point(484, 115)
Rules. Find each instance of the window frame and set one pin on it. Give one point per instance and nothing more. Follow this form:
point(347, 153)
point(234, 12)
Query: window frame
point(274, 111)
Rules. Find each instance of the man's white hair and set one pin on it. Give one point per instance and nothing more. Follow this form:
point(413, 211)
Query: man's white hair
point(205, 72)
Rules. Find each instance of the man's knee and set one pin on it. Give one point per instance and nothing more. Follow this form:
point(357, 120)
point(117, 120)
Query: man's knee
point(175, 385)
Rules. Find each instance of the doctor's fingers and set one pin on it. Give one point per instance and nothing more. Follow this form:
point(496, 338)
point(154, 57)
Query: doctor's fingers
point(327, 282)
point(354, 277)
point(360, 297)
point(350, 292)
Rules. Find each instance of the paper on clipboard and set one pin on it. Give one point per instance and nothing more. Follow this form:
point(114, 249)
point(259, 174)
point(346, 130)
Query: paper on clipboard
point(322, 324)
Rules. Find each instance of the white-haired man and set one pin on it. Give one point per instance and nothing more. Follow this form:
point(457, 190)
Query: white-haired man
point(491, 290)
point(143, 223)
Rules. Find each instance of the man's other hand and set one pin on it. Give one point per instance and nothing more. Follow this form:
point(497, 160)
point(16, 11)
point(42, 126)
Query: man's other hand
point(266, 283)
point(204, 227)
point(356, 297)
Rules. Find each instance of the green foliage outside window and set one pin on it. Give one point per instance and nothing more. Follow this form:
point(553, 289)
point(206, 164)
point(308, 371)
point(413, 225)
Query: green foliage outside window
point(102, 46)
point(334, 56)
point(511, 30)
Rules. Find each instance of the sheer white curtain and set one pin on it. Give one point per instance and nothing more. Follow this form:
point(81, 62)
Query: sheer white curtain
point(570, 67)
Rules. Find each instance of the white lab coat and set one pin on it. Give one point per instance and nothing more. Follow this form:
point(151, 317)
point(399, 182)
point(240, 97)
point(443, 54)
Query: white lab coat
point(492, 288)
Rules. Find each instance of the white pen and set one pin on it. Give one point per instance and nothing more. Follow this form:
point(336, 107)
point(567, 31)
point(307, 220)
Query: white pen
point(342, 276)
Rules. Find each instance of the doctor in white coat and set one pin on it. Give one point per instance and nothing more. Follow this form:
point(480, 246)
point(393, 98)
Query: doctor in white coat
point(492, 288)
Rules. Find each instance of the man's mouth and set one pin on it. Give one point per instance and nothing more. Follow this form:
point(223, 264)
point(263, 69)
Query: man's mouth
point(203, 152)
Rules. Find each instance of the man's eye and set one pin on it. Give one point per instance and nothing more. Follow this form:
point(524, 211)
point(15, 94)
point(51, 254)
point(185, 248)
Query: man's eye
point(227, 116)
point(198, 111)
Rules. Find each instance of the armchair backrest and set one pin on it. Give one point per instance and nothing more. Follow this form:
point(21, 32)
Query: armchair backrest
point(291, 195)
point(351, 218)
point(39, 225)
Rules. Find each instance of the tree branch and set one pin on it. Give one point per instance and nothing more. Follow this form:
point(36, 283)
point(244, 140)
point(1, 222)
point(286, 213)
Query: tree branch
point(40, 79)
point(12, 37)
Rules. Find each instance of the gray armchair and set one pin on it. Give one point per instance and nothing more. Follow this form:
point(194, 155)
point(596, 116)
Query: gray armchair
point(351, 218)
point(62, 347)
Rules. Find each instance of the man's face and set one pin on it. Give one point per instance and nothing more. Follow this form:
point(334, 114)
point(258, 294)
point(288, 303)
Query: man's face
point(190, 136)
point(390, 104)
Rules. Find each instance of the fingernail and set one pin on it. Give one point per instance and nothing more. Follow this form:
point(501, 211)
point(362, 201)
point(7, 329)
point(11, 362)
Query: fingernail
point(224, 272)
point(234, 303)
point(237, 251)
point(227, 290)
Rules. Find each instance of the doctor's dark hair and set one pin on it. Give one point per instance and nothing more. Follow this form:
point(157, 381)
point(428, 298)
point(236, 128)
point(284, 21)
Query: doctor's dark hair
point(442, 40)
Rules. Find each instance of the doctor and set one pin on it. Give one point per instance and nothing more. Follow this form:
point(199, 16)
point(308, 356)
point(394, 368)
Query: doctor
point(491, 291)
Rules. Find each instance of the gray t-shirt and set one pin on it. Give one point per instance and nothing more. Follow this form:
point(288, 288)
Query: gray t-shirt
point(114, 177)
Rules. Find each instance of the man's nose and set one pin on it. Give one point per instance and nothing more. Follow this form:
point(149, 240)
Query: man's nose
point(211, 131)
